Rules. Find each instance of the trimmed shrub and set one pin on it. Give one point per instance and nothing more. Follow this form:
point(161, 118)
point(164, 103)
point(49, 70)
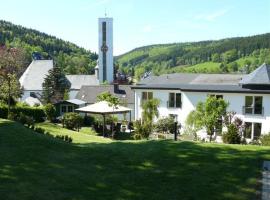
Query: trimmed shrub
point(165, 125)
point(36, 112)
point(231, 136)
point(50, 111)
point(72, 121)
point(265, 140)
point(3, 111)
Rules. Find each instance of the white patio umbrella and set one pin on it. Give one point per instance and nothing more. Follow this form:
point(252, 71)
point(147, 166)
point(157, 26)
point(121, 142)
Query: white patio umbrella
point(104, 108)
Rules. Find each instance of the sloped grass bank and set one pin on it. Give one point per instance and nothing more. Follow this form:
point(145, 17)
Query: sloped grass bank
point(34, 166)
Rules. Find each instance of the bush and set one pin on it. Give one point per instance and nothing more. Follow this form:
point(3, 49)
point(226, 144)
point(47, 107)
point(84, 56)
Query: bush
point(39, 130)
point(3, 111)
point(231, 136)
point(36, 112)
point(50, 111)
point(65, 138)
point(255, 142)
point(142, 130)
point(22, 118)
point(89, 120)
point(12, 116)
point(165, 125)
point(72, 121)
point(265, 140)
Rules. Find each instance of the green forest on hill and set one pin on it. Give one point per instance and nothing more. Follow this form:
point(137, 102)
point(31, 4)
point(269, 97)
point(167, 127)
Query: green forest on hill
point(71, 58)
point(233, 55)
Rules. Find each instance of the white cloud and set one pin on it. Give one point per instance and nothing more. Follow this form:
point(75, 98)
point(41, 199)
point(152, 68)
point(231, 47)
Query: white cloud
point(212, 16)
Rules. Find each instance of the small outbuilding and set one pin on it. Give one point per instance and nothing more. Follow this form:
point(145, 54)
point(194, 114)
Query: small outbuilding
point(66, 106)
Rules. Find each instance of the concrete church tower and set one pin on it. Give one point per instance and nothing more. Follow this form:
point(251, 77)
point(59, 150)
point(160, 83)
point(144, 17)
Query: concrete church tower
point(105, 50)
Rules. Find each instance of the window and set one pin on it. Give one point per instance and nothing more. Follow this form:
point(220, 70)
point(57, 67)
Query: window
point(175, 100)
point(70, 108)
point(248, 130)
point(248, 105)
point(147, 96)
point(64, 109)
point(253, 105)
point(252, 130)
point(33, 94)
point(258, 105)
point(257, 130)
point(218, 96)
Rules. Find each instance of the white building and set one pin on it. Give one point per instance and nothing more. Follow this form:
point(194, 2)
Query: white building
point(248, 96)
point(105, 48)
point(88, 85)
point(33, 77)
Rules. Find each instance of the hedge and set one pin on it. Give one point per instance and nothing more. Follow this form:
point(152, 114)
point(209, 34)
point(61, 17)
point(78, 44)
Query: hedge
point(36, 112)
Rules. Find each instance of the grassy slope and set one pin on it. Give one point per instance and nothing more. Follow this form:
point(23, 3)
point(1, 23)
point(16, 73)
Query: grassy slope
point(209, 67)
point(85, 135)
point(34, 166)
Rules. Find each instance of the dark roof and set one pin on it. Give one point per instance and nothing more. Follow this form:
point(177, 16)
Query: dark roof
point(255, 82)
point(89, 93)
point(186, 78)
point(77, 81)
point(202, 88)
point(260, 76)
point(72, 101)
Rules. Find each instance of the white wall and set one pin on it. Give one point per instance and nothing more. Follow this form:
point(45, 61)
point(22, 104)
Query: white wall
point(26, 93)
point(191, 99)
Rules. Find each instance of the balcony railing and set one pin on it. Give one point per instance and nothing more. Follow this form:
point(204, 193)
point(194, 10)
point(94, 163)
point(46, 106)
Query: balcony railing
point(250, 110)
point(173, 105)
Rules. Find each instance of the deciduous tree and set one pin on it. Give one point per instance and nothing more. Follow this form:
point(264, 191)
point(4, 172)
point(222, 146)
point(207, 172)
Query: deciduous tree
point(208, 114)
point(11, 65)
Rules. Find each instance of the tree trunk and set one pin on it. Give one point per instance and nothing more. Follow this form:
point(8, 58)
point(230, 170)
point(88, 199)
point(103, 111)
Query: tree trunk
point(9, 94)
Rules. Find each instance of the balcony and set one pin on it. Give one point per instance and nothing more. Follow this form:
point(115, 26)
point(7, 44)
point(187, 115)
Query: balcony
point(250, 110)
point(171, 104)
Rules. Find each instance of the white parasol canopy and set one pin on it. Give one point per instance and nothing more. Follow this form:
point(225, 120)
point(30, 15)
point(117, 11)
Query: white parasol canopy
point(103, 107)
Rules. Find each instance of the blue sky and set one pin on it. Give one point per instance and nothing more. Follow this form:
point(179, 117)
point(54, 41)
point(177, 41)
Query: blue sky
point(141, 22)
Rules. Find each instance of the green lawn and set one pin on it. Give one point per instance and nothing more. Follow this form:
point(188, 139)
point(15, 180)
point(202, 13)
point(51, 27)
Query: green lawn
point(34, 166)
point(206, 67)
point(86, 135)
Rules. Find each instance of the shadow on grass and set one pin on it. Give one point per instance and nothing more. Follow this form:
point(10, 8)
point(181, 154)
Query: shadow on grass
point(37, 167)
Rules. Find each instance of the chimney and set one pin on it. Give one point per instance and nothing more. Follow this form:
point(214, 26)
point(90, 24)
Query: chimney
point(116, 88)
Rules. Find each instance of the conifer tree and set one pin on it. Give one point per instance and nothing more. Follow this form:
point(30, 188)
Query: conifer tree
point(54, 86)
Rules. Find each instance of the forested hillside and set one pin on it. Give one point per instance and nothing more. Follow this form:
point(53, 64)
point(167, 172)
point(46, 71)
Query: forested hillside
point(241, 54)
point(70, 57)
